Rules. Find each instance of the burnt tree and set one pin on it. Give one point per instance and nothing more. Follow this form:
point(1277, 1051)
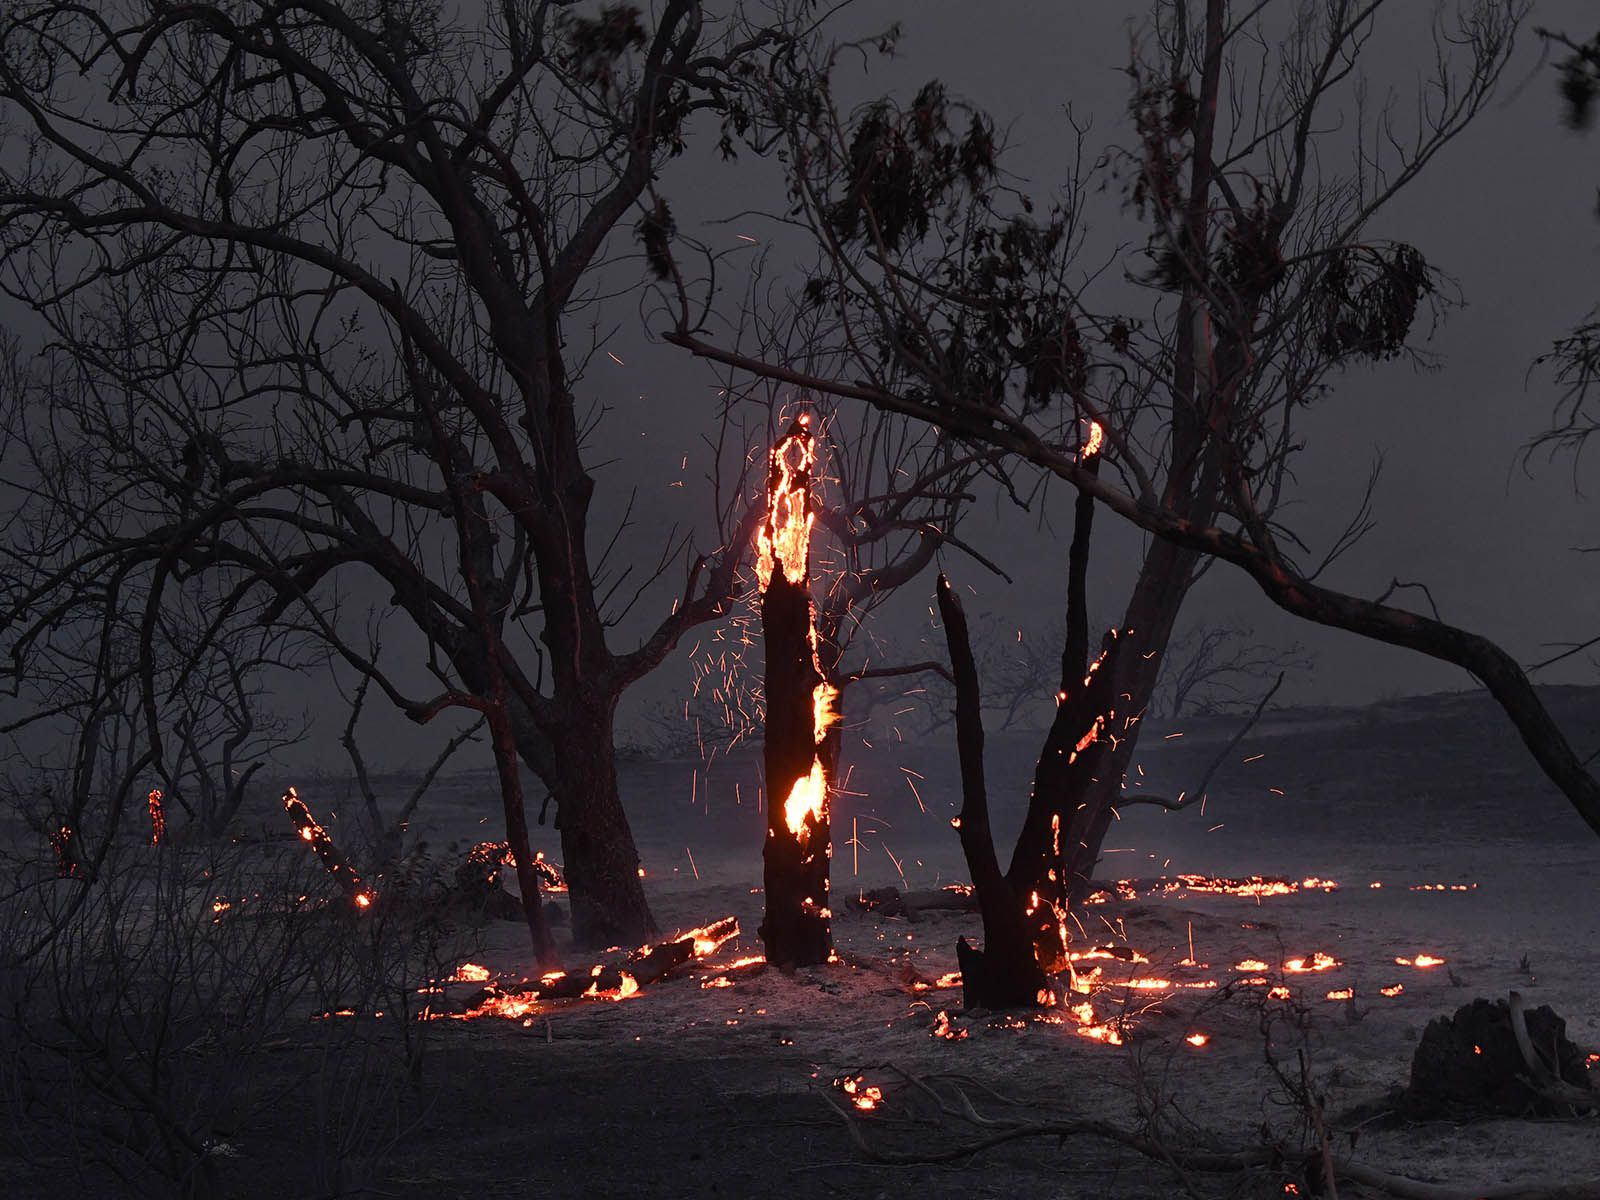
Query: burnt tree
point(316, 276)
point(795, 857)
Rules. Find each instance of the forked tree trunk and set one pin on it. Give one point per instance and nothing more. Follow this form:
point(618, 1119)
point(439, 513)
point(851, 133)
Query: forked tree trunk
point(1005, 973)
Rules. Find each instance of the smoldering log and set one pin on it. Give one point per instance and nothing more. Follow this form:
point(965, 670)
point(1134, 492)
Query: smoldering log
point(314, 835)
point(892, 902)
point(608, 981)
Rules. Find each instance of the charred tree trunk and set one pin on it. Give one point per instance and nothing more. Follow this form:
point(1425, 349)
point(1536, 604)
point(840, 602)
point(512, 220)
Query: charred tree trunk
point(475, 547)
point(1005, 973)
point(1074, 758)
point(796, 926)
point(598, 853)
point(1153, 608)
point(1070, 761)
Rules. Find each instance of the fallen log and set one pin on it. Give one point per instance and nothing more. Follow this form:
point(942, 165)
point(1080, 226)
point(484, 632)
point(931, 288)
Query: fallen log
point(891, 902)
point(605, 981)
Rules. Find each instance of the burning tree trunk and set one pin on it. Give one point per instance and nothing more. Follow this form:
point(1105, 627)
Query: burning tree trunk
point(795, 928)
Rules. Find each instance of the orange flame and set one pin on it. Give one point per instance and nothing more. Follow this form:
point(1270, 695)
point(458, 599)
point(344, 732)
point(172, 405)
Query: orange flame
point(808, 798)
point(784, 539)
point(824, 713)
point(1092, 444)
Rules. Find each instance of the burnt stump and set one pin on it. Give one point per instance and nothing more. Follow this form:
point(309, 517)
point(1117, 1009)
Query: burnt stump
point(1469, 1063)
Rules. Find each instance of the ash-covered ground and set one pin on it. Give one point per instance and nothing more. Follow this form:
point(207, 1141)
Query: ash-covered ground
point(697, 1087)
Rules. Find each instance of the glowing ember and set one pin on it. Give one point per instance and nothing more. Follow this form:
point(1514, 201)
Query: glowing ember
point(1100, 1033)
point(1318, 962)
point(1253, 887)
point(494, 855)
point(1394, 989)
point(863, 1095)
point(1421, 960)
point(721, 981)
point(1348, 993)
point(628, 987)
point(1197, 1039)
point(1122, 953)
point(708, 939)
point(469, 973)
point(942, 1028)
point(1250, 965)
point(158, 817)
point(1278, 993)
point(1087, 1025)
point(513, 1006)
point(66, 856)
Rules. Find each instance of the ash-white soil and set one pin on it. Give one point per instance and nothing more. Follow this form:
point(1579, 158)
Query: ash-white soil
point(689, 1090)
